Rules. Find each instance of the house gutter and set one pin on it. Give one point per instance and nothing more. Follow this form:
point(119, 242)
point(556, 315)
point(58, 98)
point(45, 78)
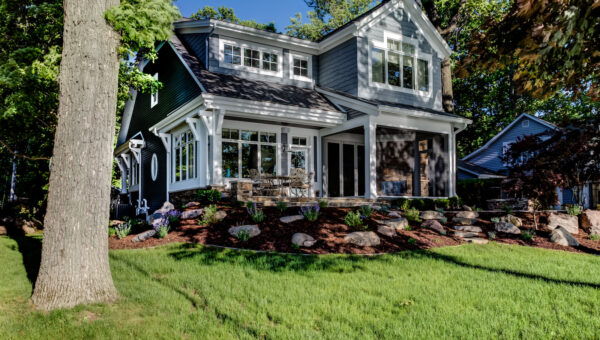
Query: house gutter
point(214, 26)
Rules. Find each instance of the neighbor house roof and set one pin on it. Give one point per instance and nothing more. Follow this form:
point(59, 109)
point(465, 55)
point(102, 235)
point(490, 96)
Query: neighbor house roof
point(506, 129)
point(478, 171)
point(232, 86)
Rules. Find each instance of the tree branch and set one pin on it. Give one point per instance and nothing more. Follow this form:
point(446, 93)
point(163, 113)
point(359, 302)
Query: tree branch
point(16, 154)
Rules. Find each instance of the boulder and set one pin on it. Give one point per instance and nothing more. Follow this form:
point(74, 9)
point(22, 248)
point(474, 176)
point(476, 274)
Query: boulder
point(152, 218)
point(463, 221)
point(363, 238)
point(590, 221)
point(303, 240)
point(290, 219)
point(28, 227)
point(3, 230)
point(477, 240)
point(465, 234)
point(252, 230)
point(191, 214)
point(386, 230)
point(166, 207)
point(563, 237)
point(571, 223)
point(468, 228)
point(467, 214)
point(467, 208)
point(398, 224)
point(143, 236)
point(432, 215)
point(517, 222)
point(434, 225)
point(394, 214)
point(220, 215)
point(508, 228)
point(192, 205)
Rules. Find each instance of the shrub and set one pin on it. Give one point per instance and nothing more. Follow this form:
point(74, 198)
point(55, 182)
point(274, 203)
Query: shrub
point(282, 206)
point(256, 214)
point(594, 237)
point(111, 231)
point(210, 196)
point(310, 213)
point(295, 246)
point(442, 203)
point(323, 203)
point(366, 211)
point(243, 235)
point(412, 215)
point(123, 230)
point(491, 235)
point(249, 205)
point(527, 235)
point(173, 216)
point(209, 216)
point(428, 204)
point(162, 231)
point(354, 220)
point(403, 204)
point(574, 210)
point(417, 203)
point(455, 202)
point(507, 209)
point(412, 241)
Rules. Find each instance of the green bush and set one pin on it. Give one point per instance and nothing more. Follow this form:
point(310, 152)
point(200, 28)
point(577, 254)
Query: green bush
point(111, 231)
point(594, 237)
point(442, 203)
point(455, 202)
point(123, 230)
point(323, 203)
point(417, 203)
point(412, 241)
point(311, 214)
point(527, 235)
point(257, 214)
point(243, 235)
point(428, 204)
point(282, 206)
point(209, 216)
point(249, 205)
point(412, 215)
point(353, 220)
point(209, 196)
point(574, 210)
point(507, 209)
point(162, 231)
point(366, 211)
point(403, 204)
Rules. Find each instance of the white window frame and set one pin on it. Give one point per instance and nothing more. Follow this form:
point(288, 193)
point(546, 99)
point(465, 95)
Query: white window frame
point(154, 96)
point(259, 143)
point(134, 175)
point(191, 181)
point(308, 155)
point(305, 57)
point(154, 167)
point(417, 55)
point(247, 45)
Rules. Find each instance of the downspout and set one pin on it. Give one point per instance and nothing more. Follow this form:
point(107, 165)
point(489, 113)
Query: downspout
point(214, 26)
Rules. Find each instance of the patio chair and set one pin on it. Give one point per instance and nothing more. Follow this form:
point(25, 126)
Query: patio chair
point(300, 182)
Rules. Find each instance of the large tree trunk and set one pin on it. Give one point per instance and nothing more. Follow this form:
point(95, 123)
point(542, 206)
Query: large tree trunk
point(75, 268)
point(447, 94)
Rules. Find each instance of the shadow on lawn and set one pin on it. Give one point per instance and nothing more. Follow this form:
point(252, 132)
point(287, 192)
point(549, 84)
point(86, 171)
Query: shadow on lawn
point(30, 248)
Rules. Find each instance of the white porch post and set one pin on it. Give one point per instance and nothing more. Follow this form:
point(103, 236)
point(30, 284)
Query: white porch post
point(319, 150)
point(217, 157)
point(370, 128)
point(123, 170)
point(452, 160)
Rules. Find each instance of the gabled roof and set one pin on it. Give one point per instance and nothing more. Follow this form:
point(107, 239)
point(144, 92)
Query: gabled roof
point(506, 129)
point(478, 171)
point(231, 86)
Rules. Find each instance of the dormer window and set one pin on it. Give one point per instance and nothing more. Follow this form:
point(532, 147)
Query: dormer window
point(251, 58)
point(233, 55)
point(269, 61)
point(398, 65)
point(154, 96)
point(300, 66)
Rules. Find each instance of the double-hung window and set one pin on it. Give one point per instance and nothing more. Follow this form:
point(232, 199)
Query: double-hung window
point(398, 64)
point(232, 54)
point(245, 150)
point(184, 157)
point(300, 67)
point(251, 58)
point(269, 61)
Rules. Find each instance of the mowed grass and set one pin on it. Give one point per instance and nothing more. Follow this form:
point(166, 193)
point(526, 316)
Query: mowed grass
point(192, 292)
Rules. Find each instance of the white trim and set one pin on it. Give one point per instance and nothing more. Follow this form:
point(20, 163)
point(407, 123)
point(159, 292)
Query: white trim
point(243, 45)
point(302, 56)
point(127, 113)
point(178, 116)
point(136, 146)
point(154, 167)
point(194, 124)
point(154, 96)
point(496, 137)
point(478, 175)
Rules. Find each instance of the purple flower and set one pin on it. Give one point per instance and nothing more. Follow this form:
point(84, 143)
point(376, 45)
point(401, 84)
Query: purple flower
point(160, 222)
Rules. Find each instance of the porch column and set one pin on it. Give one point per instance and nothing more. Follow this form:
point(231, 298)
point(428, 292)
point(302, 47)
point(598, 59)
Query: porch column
point(452, 161)
point(123, 171)
point(370, 128)
point(217, 156)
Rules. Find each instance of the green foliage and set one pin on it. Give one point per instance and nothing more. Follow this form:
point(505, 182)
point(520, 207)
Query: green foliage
point(162, 231)
point(574, 210)
point(227, 14)
point(527, 235)
point(323, 203)
point(282, 206)
point(594, 237)
point(311, 214)
point(403, 204)
point(249, 205)
point(243, 235)
point(112, 231)
point(210, 196)
point(210, 215)
point(491, 235)
point(353, 220)
point(366, 211)
point(412, 215)
point(507, 209)
point(295, 246)
point(495, 220)
point(442, 203)
point(412, 241)
point(123, 230)
point(257, 214)
point(477, 191)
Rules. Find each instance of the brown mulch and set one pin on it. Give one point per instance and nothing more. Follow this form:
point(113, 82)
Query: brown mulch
point(329, 230)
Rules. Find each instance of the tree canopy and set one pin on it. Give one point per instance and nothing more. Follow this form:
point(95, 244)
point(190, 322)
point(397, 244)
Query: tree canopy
point(227, 14)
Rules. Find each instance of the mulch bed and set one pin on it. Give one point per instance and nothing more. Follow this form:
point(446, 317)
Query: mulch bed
point(329, 230)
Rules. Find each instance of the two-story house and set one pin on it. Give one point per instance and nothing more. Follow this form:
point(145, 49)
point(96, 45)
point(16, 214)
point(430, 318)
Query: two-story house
point(361, 109)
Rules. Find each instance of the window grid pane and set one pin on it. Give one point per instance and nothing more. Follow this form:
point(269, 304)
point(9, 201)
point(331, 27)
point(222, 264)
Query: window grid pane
point(300, 67)
point(423, 75)
point(232, 54)
point(252, 58)
point(407, 72)
point(378, 65)
point(270, 62)
point(394, 69)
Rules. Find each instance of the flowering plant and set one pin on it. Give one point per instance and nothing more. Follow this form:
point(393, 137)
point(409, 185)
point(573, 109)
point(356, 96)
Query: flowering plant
point(257, 214)
point(310, 213)
point(173, 216)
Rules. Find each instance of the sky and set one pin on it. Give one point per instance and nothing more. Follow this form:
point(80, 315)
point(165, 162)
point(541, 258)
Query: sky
point(263, 11)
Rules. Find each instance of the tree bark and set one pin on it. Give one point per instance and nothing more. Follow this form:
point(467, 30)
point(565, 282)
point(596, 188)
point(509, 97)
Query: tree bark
point(75, 268)
point(447, 93)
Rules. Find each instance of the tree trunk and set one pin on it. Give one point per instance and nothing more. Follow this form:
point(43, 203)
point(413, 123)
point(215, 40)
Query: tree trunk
point(74, 268)
point(447, 94)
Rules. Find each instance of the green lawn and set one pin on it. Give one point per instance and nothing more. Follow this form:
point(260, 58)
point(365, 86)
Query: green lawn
point(185, 291)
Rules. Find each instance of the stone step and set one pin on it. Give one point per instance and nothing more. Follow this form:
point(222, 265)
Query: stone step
point(465, 234)
point(476, 240)
point(468, 228)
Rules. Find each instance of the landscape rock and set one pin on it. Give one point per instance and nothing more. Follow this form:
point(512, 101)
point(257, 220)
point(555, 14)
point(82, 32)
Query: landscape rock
point(517, 222)
point(477, 240)
point(220, 215)
point(398, 224)
point(386, 230)
point(166, 207)
point(590, 221)
point(151, 218)
point(468, 228)
point(291, 219)
point(467, 208)
point(394, 214)
point(28, 227)
point(465, 234)
point(432, 215)
point(507, 227)
point(191, 214)
point(144, 236)
point(467, 215)
point(570, 223)
point(252, 230)
point(303, 240)
point(463, 221)
point(192, 205)
point(363, 238)
point(3, 230)
point(434, 225)
point(563, 237)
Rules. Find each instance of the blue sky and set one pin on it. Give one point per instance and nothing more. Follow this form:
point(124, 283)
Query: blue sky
point(263, 11)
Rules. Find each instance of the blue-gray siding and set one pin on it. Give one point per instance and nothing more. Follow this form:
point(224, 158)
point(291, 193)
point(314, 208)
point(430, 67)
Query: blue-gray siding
point(197, 43)
point(490, 157)
point(338, 68)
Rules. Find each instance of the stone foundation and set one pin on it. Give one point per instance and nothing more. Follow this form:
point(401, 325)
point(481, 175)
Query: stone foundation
point(521, 204)
point(241, 190)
